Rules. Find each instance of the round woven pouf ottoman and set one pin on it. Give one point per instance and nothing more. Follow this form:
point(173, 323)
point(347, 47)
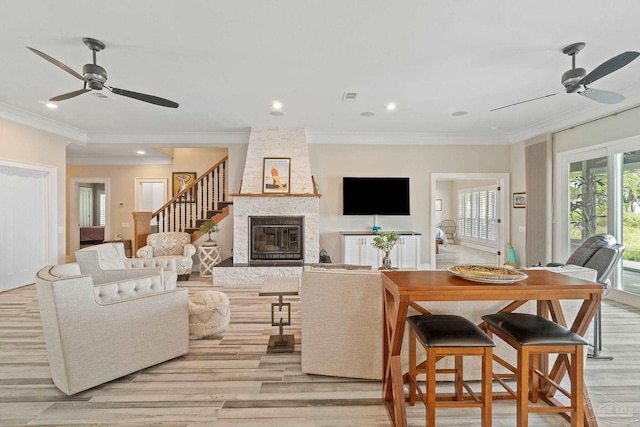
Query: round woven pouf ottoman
point(209, 314)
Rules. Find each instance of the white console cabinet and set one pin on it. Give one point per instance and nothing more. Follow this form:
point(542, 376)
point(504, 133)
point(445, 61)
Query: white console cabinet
point(357, 249)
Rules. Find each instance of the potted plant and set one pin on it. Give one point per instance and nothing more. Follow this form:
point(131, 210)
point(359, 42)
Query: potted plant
point(385, 242)
point(209, 227)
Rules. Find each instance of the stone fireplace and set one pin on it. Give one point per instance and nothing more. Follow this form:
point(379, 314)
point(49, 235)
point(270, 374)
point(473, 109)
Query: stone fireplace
point(300, 202)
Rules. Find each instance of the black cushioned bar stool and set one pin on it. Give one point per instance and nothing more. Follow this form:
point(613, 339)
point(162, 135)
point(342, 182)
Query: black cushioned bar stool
point(534, 335)
point(447, 335)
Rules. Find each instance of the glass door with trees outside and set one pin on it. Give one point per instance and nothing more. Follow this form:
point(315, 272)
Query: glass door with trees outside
point(604, 197)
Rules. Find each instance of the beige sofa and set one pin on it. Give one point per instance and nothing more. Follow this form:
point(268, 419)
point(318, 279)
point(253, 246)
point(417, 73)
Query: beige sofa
point(342, 322)
point(98, 260)
point(97, 331)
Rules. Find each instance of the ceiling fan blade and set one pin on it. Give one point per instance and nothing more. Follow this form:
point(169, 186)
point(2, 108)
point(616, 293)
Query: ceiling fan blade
point(56, 63)
point(603, 96)
point(69, 95)
point(608, 67)
point(522, 102)
point(143, 97)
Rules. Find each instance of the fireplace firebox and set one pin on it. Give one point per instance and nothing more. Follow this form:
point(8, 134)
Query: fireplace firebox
point(276, 239)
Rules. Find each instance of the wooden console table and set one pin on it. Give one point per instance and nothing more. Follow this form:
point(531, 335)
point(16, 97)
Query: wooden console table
point(280, 286)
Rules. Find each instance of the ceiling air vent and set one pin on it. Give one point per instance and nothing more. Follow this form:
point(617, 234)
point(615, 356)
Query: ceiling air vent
point(349, 96)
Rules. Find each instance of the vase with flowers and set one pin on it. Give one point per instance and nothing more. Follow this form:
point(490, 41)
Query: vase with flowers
point(385, 242)
point(209, 227)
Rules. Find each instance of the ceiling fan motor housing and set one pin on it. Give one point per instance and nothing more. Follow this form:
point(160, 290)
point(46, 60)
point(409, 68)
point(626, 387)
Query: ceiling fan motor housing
point(572, 77)
point(96, 76)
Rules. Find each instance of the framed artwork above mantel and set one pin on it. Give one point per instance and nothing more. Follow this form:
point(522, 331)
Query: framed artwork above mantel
point(275, 177)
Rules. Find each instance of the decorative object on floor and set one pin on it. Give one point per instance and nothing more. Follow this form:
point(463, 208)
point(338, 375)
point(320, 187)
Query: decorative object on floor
point(324, 257)
point(95, 77)
point(275, 177)
point(486, 273)
point(512, 259)
point(209, 314)
point(385, 242)
point(209, 227)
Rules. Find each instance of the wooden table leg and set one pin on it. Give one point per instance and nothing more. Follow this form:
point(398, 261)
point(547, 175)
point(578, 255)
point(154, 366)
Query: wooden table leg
point(395, 316)
point(580, 326)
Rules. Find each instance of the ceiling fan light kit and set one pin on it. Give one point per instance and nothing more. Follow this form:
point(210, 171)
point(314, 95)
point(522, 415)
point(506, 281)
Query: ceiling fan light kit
point(95, 77)
point(576, 80)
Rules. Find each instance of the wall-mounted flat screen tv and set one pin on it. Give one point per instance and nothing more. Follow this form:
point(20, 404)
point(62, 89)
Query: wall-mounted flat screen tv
point(375, 196)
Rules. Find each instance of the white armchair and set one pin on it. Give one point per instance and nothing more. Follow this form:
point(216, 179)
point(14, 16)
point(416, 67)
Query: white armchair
point(173, 245)
point(96, 332)
point(99, 261)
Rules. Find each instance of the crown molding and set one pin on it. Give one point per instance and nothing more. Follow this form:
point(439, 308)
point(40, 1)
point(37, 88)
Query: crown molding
point(176, 138)
point(407, 138)
point(117, 160)
point(42, 123)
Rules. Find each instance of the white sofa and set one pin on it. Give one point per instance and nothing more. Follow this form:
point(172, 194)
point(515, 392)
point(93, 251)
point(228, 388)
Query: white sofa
point(97, 331)
point(342, 322)
point(98, 260)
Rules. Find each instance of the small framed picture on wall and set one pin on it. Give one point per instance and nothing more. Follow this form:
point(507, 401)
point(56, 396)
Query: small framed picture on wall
point(182, 180)
point(275, 178)
point(519, 200)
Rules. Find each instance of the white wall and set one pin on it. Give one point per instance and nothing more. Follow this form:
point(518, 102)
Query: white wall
point(329, 163)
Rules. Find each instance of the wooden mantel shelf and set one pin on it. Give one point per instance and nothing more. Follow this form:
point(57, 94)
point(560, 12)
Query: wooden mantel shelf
point(275, 195)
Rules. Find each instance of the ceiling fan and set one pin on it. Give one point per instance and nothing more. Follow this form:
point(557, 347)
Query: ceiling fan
point(95, 77)
point(577, 79)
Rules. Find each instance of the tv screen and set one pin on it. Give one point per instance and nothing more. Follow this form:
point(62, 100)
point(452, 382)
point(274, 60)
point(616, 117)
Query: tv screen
point(375, 196)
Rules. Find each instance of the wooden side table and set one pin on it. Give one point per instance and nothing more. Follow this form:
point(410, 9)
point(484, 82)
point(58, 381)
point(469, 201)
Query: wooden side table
point(127, 246)
point(209, 256)
point(280, 286)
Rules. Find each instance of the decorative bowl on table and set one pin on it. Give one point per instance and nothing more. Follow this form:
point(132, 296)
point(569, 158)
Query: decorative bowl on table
point(486, 273)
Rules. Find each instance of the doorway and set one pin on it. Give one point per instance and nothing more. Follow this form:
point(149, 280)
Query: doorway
point(89, 210)
point(150, 195)
point(443, 189)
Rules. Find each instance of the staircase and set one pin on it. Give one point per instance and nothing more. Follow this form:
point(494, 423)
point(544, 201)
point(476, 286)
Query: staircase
point(205, 198)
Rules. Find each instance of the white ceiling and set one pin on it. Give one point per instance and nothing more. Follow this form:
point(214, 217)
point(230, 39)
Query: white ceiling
point(224, 62)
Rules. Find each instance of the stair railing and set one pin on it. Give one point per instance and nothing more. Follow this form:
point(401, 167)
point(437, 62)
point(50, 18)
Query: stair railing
point(193, 202)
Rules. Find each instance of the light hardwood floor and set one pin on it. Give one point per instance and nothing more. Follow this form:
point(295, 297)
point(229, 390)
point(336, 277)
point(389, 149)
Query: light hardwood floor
point(232, 381)
point(458, 254)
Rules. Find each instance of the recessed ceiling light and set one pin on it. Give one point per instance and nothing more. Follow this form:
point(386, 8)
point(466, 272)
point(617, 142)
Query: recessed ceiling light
point(367, 114)
point(277, 105)
point(390, 107)
point(459, 113)
point(140, 152)
point(277, 113)
point(494, 127)
point(51, 105)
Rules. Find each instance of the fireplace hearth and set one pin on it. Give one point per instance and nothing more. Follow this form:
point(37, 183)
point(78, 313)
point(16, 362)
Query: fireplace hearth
point(276, 239)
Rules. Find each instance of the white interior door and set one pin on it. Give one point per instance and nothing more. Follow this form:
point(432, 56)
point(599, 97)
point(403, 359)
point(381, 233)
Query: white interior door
point(85, 207)
point(23, 225)
point(150, 194)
